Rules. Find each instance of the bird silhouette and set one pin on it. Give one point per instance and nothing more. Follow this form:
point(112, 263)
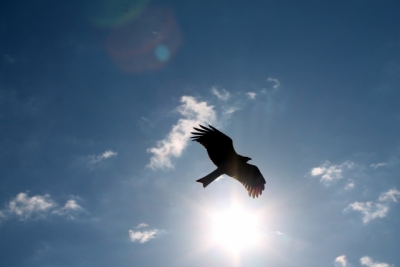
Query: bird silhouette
point(221, 152)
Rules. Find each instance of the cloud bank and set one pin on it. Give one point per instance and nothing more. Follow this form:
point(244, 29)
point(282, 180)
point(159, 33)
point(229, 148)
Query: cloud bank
point(194, 113)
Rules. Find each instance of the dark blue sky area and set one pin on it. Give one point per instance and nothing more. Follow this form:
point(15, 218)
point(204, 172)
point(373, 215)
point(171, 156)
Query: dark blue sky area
point(97, 99)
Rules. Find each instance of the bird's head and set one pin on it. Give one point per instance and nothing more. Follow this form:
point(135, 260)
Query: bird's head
point(246, 159)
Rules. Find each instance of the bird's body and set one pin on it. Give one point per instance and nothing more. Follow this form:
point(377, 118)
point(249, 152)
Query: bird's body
point(221, 152)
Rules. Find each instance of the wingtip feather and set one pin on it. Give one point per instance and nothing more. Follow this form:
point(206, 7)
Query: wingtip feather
point(205, 128)
point(212, 127)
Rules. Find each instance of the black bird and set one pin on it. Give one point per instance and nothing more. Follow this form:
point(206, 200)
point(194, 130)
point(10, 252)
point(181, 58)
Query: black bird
point(221, 152)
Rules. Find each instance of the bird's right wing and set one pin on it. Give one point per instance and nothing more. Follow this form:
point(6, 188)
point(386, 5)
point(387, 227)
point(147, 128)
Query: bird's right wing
point(219, 146)
point(251, 178)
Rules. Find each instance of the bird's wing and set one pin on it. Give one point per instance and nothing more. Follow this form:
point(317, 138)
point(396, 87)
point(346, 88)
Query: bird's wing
point(219, 146)
point(251, 178)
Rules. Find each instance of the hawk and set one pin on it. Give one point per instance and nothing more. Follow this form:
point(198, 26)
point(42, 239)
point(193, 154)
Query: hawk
point(221, 152)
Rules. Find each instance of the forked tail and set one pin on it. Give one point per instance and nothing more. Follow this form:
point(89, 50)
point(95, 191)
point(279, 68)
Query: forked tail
point(208, 179)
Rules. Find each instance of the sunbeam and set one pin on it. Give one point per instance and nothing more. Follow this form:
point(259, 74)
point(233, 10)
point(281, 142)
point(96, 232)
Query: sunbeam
point(236, 229)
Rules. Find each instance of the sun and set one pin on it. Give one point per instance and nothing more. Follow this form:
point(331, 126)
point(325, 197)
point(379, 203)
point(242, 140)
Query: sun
point(236, 229)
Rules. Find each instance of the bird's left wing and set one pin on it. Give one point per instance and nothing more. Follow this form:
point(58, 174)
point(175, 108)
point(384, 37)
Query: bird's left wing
point(219, 146)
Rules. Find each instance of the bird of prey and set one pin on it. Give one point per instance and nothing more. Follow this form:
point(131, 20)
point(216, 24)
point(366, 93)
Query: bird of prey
point(221, 152)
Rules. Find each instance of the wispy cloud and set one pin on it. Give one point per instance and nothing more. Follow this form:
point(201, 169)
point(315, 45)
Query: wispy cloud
point(142, 225)
point(71, 207)
point(97, 158)
point(276, 82)
point(145, 124)
point(368, 261)
point(39, 206)
point(350, 185)
point(330, 172)
point(375, 209)
point(341, 261)
point(371, 210)
point(389, 196)
point(227, 107)
point(143, 236)
point(251, 95)
point(391, 162)
point(194, 113)
point(230, 110)
point(378, 165)
point(221, 93)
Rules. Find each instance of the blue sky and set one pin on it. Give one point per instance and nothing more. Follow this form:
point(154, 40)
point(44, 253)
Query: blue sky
point(97, 99)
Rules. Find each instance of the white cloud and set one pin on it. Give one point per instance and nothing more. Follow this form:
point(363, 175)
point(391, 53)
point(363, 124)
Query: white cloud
point(277, 83)
point(390, 195)
point(377, 165)
point(251, 95)
point(368, 261)
point(107, 154)
point(71, 206)
point(24, 206)
point(379, 209)
point(329, 172)
point(194, 113)
point(317, 171)
point(221, 94)
point(142, 225)
point(370, 210)
point(349, 185)
point(230, 110)
point(341, 261)
point(39, 206)
point(143, 236)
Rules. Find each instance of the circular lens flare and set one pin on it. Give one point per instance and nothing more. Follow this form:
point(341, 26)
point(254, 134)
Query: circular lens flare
point(236, 229)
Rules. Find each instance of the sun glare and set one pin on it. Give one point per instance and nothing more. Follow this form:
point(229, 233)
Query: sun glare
point(236, 229)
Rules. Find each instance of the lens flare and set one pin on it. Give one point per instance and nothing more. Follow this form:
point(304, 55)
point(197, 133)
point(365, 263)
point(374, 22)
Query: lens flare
point(114, 13)
point(146, 43)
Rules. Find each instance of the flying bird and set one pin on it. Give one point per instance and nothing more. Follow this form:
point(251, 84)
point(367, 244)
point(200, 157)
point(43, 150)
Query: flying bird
point(221, 152)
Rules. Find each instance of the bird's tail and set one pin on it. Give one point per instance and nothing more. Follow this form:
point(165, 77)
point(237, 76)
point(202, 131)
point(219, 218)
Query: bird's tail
point(208, 179)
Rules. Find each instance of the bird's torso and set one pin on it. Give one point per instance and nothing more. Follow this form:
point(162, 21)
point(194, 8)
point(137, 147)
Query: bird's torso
point(231, 165)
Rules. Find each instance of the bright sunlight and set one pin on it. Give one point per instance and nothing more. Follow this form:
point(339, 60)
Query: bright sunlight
point(236, 229)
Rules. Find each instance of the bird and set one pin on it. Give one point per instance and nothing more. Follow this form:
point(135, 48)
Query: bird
point(222, 153)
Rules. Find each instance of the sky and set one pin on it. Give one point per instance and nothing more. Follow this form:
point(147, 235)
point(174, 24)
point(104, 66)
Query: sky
point(98, 99)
